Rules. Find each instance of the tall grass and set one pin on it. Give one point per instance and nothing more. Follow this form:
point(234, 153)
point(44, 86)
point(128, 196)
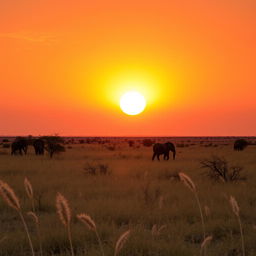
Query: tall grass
point(89, 222)
point(236, 211)
point(187, 181)
point(204, 243)
point(35, 218)
point(29, 191)
point(121, 242)
point(121, 198)
point(12, 200)
point(64, 213)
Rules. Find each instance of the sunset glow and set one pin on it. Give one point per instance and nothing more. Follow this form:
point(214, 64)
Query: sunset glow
point(65, 65)
point(132, 103)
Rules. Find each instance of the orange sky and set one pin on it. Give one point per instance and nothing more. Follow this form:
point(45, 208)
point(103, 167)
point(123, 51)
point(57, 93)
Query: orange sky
point(64, 65)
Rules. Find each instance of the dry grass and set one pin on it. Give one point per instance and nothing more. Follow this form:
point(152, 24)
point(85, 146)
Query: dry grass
point(29, 191)
point(12, 201)
point(191, 185)
point(89, 222)
point(121, 242)
point(236, 211)
point(64, 213)
point(116, 202)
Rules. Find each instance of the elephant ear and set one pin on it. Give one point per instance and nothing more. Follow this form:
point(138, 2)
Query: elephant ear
point(170, 145)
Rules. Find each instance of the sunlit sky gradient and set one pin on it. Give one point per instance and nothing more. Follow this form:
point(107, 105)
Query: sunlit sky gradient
point(65, 64)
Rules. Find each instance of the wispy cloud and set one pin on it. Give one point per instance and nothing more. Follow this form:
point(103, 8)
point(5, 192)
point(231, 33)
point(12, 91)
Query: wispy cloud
point(31, 37)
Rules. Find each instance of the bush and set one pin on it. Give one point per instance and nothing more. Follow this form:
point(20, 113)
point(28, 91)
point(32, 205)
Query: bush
point(218, 169)
point(111, 147)
point(54, 144)
point(130, 143)
point(97, 169)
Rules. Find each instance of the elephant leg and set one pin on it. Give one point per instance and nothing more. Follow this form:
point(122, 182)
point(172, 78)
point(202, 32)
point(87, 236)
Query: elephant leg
point(153, 157)
point(158, 157)
point(167, 156)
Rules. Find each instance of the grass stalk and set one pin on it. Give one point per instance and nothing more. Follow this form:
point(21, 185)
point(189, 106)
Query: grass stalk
point(100, 242)
point(236, 211)
point(70, 240)
point(188, 182)
point(27, 232)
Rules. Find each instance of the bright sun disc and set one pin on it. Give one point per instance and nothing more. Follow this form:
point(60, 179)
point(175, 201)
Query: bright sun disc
point(132, 103)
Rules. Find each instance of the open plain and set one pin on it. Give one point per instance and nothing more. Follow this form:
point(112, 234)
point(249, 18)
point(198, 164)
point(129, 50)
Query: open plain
point(118, 185)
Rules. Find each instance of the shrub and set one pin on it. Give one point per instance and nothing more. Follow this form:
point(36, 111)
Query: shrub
point(131, 143)
point(54, 144)
point(218, 169)
point(111, 147)
point(97, 169)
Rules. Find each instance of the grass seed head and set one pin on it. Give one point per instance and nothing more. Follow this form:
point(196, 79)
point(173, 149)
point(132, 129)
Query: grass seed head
point(187, 181)
point(87, 220)
point(28, 188)
point(207, 211)
point(33, 216)
point(9, 196)
point(162, 228)
point(63, 209)
point(234, 206)
point(206, 241)
point(121, 241)
point(154, 230)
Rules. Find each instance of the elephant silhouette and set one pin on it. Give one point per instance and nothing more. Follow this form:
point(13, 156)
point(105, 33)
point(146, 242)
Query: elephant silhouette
point(240, 144)
point(163, 149)
point(19, 145)
point(39, 146)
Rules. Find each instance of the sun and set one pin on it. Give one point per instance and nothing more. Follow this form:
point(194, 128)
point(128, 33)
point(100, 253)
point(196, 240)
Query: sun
point(132, 103)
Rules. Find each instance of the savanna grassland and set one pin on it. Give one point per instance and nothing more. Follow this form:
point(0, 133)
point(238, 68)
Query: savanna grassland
point(135, 194)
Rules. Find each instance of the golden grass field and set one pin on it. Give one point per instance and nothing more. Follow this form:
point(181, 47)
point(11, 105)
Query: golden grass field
point(137, 195)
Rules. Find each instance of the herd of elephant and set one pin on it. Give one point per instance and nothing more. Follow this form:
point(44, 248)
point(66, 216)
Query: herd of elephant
point(20, 146)
point(164, 149)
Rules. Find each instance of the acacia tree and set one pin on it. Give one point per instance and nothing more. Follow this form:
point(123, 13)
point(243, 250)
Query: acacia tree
point(54, 144)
